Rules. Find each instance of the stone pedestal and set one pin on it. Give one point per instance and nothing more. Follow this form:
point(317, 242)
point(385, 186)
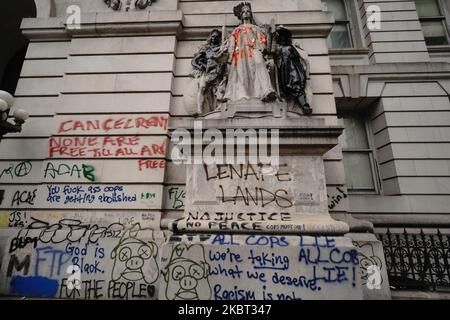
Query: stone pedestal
point(261, 267)
point(253, 230)
point(288, 196)
point(373, 271)
point(253, 108)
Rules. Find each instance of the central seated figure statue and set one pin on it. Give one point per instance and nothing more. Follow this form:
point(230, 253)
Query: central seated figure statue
point(248, 73)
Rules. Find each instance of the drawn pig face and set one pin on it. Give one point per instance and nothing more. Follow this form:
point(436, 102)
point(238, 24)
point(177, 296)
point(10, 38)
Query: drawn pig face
point(367, 258)
point(135, 260)
point(187, 274)
point(114, 4)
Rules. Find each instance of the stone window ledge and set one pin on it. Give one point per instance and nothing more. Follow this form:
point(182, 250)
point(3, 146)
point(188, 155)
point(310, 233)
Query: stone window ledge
point(418, 295)
point(348, 51)
point(433, 49)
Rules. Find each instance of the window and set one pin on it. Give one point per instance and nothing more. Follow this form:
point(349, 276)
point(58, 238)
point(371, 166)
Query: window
point(432, 19)
point(359, 161)
point(340, 36)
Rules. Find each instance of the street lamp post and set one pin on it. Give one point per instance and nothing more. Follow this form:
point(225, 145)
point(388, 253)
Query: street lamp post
point(20, 116)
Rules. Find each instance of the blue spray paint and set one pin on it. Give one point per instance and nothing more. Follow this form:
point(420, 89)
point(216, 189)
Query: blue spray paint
point(34, 286)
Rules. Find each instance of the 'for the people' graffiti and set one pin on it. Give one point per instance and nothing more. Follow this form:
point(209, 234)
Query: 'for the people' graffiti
point(109, 268)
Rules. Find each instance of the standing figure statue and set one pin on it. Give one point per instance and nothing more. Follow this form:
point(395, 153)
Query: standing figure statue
point(248, 75)
point(292, 74)
point(210, 76)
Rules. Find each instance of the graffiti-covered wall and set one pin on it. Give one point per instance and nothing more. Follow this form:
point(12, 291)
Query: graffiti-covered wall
point(89, 189)
point(86, 261)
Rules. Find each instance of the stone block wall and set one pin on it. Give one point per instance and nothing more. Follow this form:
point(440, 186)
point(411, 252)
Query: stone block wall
point(122, 75)
point(405, 96)
point(111, 92)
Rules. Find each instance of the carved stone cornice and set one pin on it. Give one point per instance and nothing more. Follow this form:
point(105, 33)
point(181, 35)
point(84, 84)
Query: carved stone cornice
point(354, 81)
point(298, 31)
point(297, 136)
point(302, 24)
point(104, 24)
point(160, 22)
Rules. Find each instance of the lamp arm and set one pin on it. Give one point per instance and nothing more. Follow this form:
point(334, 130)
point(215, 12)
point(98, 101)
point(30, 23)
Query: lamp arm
point(6, 127)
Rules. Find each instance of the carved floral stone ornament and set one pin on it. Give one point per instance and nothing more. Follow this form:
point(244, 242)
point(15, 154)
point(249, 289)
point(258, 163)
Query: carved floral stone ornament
point(118, 5)
point(256, 65)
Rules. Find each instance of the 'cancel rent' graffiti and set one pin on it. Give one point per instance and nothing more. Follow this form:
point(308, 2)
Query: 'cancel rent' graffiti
point(118, 124)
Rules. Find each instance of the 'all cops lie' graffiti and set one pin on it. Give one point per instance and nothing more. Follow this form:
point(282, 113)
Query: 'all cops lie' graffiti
point(226, 267)
point(142, 265)
point(123, 268)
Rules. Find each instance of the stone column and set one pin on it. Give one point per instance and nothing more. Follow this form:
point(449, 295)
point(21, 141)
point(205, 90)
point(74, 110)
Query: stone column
point(399, 38)
point(240, 198)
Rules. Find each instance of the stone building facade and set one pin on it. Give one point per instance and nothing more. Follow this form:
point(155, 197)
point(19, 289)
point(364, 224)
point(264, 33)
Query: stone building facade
point(104, 87)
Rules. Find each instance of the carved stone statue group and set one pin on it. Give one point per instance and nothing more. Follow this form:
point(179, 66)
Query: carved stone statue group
point(247, 65)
